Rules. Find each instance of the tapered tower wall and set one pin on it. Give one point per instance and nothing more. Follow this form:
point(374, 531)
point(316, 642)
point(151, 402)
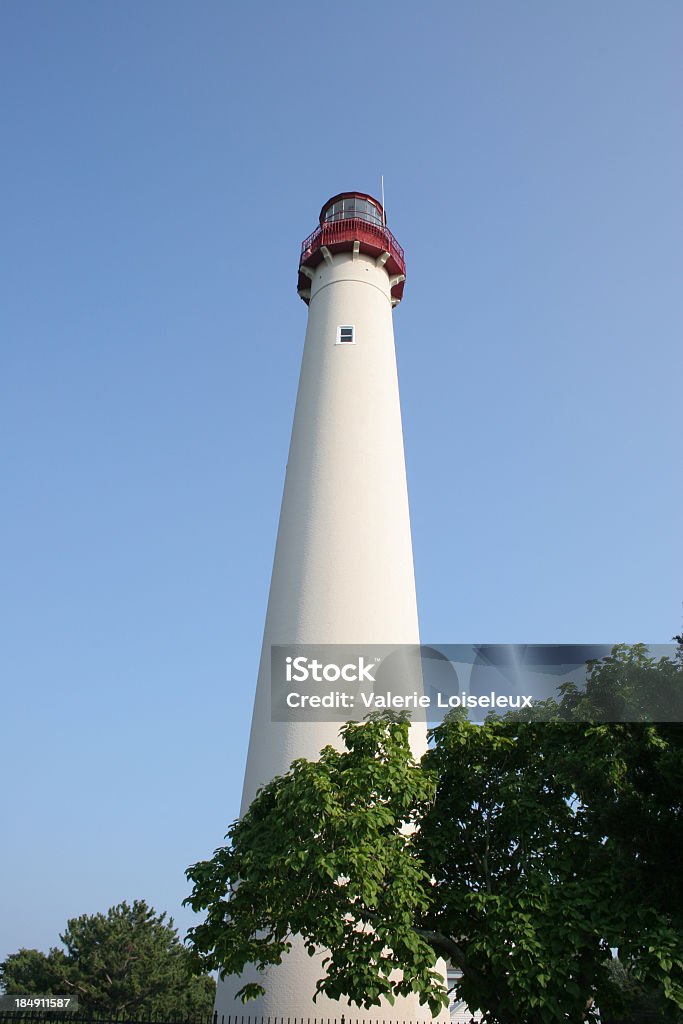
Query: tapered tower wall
point(343, 569)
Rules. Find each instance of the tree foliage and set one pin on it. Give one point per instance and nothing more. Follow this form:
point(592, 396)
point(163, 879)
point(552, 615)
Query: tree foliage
point(323, 852)
point(129, 960)
point(522, 851)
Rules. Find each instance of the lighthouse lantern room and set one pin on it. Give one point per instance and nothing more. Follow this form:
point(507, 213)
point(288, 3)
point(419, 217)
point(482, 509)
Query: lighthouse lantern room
point(352, 222)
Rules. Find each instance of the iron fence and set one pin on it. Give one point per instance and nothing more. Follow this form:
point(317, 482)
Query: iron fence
point(81, 1017)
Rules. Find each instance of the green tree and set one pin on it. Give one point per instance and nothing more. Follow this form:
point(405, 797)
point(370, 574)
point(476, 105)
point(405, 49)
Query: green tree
point(532, 870)
point(628, 775)
point(623, 758)
point(129, 960)
point(522, 851)
point(323, 852)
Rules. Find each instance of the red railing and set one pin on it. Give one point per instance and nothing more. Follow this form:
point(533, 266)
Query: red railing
point(353, 228)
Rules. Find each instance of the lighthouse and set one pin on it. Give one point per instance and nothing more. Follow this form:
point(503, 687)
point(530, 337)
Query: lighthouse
point(343, 566)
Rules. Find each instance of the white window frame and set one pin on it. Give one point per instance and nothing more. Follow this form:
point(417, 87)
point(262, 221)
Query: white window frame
point(345, 327)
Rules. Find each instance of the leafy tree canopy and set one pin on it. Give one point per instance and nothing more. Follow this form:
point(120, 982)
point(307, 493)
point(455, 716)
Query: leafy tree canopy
point(521, 851)
point(129, 960)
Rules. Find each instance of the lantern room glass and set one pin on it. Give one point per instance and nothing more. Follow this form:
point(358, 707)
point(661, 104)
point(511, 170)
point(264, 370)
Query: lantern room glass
point(346, 209)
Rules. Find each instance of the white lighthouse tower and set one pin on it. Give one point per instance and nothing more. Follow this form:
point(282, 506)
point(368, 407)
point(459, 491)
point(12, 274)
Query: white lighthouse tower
point(343, 569)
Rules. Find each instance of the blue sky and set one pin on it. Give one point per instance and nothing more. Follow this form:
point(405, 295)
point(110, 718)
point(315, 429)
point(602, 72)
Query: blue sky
point(161, 164)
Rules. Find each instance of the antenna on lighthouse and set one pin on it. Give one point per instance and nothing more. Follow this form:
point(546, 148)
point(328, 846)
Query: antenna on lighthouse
point(384, 212)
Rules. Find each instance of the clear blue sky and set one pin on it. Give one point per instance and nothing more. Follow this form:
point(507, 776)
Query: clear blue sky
point(161, 163)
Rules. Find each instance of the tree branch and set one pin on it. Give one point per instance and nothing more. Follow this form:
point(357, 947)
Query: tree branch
point(443, 944)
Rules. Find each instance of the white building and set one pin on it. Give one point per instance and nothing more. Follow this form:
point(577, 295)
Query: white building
point(343, 568)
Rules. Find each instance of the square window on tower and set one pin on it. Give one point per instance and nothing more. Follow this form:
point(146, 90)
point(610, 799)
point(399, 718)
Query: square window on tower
point(346, 335)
